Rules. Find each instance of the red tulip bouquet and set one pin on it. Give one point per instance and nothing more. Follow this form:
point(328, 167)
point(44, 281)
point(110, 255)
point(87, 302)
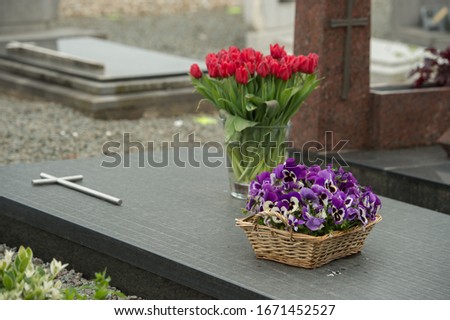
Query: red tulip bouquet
point(256, 95)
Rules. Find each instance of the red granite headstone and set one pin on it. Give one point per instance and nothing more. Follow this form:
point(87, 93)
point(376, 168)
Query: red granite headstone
point(444, 141)
point(339, 31)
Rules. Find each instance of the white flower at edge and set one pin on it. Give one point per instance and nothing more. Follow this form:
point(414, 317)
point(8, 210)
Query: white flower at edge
point(27, 287)
point(47, 285)
point(56, 267)
point(55, 294)
point(8, 257)
point(30, 271)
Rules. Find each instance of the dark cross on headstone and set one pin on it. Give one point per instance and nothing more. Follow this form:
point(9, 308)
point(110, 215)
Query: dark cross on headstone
point(348, 23)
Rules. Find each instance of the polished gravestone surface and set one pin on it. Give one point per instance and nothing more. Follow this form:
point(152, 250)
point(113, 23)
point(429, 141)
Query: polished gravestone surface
point(419, 176)
point(177, 224)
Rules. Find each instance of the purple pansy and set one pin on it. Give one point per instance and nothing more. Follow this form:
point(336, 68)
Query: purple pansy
point(313, 200)
point(308, 196)
point(352, 213)
point(294, 221)
point(314, 223)
point(290, 172)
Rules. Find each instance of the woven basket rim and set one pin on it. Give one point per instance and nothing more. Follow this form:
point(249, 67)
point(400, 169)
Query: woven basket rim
point(247, 222)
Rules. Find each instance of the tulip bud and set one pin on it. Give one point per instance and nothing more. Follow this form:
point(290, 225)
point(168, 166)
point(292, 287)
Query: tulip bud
point(195, 71)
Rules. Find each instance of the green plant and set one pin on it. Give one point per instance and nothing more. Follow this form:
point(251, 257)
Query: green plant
point(100, 287)
point(20, 278)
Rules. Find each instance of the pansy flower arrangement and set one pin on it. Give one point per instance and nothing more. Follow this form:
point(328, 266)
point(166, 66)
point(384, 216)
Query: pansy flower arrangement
point(313, 200)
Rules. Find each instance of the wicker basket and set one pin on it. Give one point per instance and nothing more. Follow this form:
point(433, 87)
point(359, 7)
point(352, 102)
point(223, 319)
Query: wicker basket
point(301, 250)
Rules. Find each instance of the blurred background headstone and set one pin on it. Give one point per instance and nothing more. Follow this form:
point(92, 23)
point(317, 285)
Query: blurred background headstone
point(19, 16)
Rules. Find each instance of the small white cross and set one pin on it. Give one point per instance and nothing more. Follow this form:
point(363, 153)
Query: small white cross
point(66, 182)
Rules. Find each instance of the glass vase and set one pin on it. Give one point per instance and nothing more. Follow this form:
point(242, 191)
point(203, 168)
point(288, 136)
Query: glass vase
point(255, 150)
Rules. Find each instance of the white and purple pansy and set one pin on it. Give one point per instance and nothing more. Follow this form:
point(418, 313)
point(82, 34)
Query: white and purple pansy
point(372, 203)
point(294, 221)
point(291, 201)
point(362, 214)
point(338, 208)
point(325, 178)
point(314, 200)
point(322, 193)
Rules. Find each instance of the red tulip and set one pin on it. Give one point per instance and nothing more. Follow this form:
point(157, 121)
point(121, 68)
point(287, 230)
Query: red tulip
point(223, 69)
point(258, 56)
point(210, 60)
point(301, 64)
point(251, 67)
point(313, 61)
point(222, 54)
point(277, 51)
point(274, 67)
point(231, 68)
point(248, 55)
point(263, 69)
point(213, 70)
point(195, 71)
point(241, 75)
point(284, 73)
point(290, 62)
point(233, 53)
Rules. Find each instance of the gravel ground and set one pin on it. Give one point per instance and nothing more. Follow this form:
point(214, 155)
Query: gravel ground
point(193, 34)
point(34, 130)
point(89, 8)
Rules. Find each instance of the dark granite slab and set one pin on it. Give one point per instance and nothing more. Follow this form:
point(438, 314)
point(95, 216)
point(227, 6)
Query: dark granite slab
point(435, 172)
point(419, 176)
point(178, 224)
point(399, 159)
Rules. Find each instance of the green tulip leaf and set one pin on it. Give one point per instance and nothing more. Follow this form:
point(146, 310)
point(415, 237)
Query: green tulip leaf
point(250, 107)
point(272, 104)
point(241, 123)
point(254, 99)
